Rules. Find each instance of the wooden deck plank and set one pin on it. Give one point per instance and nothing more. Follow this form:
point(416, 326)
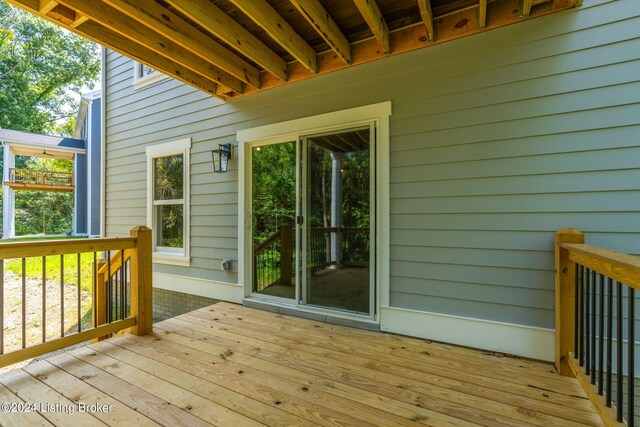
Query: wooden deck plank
point(370, 408)
point(250, 408)
point(150, 406)
point(202, 408)
point(232, 365)
point(450, 401)
point(77, 390)
point(56, 407)
point(380, 344)
point(274, 342)
point(473, 384)
point(18, 418)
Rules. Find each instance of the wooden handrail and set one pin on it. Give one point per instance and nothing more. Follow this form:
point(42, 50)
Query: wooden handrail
point(31, 176)
point(264, 245)
point(570, 253)
point(137, 249)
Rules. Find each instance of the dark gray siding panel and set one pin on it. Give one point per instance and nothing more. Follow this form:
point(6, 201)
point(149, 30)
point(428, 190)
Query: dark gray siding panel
point(96, 175)
point(497, 141)
point(81, 193)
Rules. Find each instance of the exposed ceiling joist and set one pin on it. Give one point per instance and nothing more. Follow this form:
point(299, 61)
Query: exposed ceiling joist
point(427, 17)
point(526, 7)
point(46, 6)
point(106, 37)
point(279, 30)
point(318, 17)
point(157, 18)
point(373, 17)
point(105, 15)
point(218, 23)
point(482, 14)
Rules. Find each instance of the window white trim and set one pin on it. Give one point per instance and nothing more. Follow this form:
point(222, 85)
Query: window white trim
point(140, 81)
point(164, 255)
point(290, 131)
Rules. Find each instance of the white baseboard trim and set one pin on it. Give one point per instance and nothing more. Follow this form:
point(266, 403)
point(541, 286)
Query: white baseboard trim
point(526, 341)
point(231, 292)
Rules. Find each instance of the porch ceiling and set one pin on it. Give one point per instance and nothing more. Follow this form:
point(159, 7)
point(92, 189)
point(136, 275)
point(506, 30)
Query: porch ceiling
point(233, 47)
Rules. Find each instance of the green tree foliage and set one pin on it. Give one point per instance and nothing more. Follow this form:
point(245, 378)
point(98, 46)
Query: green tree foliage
point(169, 177)
point(41, 67)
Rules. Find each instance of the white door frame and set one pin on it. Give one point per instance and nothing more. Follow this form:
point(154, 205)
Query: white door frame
point(292, 130)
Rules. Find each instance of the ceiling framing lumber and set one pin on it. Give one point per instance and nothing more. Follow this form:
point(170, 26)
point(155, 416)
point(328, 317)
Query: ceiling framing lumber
point(318, 17)
point(279, 30)
point(161, 20)
point(46, 6)
point(427, 18)
point(526, 7)
point(218, 23)
point(111, 18)
point(482, 14)
point(106, 37)
point(373, 17)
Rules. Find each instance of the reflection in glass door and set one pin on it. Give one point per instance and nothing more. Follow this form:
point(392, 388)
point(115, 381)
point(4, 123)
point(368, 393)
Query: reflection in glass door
point(337, 268)
point(273, 200)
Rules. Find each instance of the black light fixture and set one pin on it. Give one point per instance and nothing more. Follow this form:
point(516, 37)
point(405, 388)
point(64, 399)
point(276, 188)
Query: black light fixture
point(221, 158)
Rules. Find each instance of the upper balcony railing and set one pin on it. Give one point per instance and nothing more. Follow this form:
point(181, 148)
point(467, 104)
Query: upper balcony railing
point(40, 180)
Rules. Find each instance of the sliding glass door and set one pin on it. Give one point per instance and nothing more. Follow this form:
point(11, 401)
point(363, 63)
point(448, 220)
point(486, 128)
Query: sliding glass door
point(312, 220)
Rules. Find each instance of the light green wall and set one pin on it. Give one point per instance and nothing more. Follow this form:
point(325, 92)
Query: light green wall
point(497, 141)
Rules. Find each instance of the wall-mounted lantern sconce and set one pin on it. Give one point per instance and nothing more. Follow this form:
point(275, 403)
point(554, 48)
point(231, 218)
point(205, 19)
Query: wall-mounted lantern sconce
point(221, 158)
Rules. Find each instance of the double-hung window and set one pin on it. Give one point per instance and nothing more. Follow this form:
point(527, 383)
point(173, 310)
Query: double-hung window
point(168, 201)
point(143, 75)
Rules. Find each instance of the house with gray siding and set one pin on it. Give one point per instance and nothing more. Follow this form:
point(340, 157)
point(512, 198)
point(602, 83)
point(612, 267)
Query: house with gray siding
point(465, 172)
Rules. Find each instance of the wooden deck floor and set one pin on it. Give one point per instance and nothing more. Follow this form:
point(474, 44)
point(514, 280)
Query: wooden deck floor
point(234, 366)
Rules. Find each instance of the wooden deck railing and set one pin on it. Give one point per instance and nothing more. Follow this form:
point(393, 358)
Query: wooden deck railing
point(120, 291)
point(593, 287)
point(41, 177)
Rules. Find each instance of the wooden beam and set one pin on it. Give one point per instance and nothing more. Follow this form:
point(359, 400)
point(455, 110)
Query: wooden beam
point(373, 17)
point(320, 19)
point(168, 24)
point(526, 7)
point(482, 14)
point(279, 30)
point(218, 23)
point(122, 24)
point(79, 20)
point(46, 6)
point(427, 18)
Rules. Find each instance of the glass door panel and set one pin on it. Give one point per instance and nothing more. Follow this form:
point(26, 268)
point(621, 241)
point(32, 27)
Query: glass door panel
point(337, 242)
point(273, 200)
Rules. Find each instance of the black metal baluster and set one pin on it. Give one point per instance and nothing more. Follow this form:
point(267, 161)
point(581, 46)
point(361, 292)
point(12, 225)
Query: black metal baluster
point(631, 340)
point(1, 306)
point(587, 324)
point(601, 342)
point(79, 295)
point(619, 371)
point(44, 298)
point(109, 288)
point(582, 316)
point(62, 295)
point(94, 303)
point(576, 322)
point(24, 302)
point(593, 328)
point(121, 284)
point(609, 339)
point(116, 285)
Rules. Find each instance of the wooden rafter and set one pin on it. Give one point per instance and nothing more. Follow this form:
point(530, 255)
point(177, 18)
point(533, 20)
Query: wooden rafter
point(482, 14)
point(426, 13)
point(157, 18)
point(218, 23)
point(46, 6)
point(279, 30)
point(122, 24)
point(373, 17)
point(526, 7)
point(320, 19)
point(105, 36)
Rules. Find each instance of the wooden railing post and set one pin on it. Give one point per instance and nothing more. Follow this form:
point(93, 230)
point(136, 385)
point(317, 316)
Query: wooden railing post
point(565, 298)
point(141, 281)
point(286, 254)
point(100, 315)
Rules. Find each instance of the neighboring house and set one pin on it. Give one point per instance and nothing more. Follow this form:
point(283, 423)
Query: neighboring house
point(84, 181)
point(86, 217)
point(485, 147)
